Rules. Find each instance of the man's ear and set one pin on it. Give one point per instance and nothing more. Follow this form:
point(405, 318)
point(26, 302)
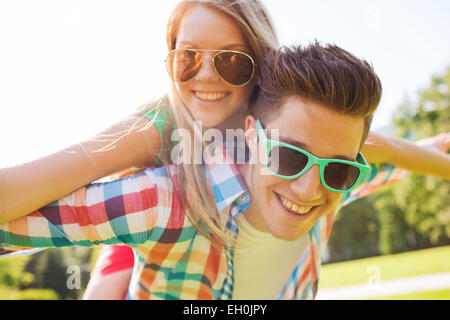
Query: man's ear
point(250, 132)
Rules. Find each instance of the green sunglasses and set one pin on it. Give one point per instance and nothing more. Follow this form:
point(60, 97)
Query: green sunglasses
point(291, 162)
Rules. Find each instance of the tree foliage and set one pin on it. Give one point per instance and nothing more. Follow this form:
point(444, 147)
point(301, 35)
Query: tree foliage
point(44, 275)
point(13, 278)
point(413, 213)
point(50, 268)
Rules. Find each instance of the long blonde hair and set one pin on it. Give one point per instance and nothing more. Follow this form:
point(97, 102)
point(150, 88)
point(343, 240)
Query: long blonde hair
point(254, 21)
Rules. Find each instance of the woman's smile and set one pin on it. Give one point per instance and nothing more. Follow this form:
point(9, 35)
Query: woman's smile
point(210, 96)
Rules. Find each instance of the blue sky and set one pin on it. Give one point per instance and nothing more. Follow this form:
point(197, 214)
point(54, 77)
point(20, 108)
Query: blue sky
point(407, 41)
point(69, 69)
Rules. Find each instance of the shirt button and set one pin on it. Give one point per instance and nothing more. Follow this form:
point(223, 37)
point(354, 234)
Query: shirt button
point(242, 198)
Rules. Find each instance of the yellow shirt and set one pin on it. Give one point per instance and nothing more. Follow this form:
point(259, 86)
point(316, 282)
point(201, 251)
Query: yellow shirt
point(262, 262)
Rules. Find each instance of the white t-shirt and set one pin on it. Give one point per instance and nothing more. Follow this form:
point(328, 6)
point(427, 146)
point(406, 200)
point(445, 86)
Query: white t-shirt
point(264, 263)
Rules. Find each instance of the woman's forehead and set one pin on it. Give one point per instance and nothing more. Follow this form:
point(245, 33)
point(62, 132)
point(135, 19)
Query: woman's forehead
point(206, 27)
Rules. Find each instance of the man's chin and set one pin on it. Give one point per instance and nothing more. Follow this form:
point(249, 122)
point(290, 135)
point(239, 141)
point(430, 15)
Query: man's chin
point(291, 237)
point(293, 233)
point(289, 234)
point(291, 226)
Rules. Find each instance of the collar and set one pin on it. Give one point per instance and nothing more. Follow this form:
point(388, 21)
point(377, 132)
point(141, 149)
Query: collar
point(227, 184)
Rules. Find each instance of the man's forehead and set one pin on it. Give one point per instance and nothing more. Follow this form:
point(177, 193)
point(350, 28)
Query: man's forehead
point(275, 135)
point(317, 129)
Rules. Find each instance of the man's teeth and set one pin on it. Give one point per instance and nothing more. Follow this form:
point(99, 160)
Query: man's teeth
point(294, 207)
point(210, 95)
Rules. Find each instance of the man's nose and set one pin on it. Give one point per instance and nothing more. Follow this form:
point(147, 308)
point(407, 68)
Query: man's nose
point(308, 186)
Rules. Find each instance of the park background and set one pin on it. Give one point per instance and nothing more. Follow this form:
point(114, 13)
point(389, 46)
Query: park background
point(69, 69)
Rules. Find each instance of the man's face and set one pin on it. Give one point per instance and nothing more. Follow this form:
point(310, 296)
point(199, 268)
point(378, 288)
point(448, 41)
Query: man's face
point(318, 130)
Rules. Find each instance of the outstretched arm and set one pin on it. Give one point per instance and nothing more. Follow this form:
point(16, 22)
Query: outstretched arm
point(123, 211)
point(428, 157)
point(394, 159)
point(27, 187)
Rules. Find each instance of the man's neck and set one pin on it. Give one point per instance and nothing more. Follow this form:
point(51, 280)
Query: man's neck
point(253, 211)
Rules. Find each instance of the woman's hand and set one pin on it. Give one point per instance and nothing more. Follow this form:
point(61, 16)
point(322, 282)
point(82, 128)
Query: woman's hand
point(440, 142)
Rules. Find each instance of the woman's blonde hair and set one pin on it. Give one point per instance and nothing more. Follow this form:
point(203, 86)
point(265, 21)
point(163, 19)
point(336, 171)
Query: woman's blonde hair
point(250, 15)
point(254, 21)
point(200, 207)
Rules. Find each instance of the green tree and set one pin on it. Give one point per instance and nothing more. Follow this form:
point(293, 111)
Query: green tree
point(50, 270)
point(413, 213)
point(13, 278)
point(354, 233)
point(425, 200)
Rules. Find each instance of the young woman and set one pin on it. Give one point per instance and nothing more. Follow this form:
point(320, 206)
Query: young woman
point(212, 94)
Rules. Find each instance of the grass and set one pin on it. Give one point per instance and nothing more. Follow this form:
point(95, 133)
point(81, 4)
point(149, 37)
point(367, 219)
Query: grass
point(430, 295)
point(394, 266)
point(10, 293)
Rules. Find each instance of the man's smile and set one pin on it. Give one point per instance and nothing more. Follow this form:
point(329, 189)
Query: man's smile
point(295, 207)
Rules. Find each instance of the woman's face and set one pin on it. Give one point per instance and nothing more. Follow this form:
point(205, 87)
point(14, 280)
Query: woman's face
point(207, 97)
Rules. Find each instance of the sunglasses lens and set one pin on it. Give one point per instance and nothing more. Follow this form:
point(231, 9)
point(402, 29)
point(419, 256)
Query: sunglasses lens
point(235, 68)
point(286, 161)
point(341, 176)
point(289, 162)
point(183, 65)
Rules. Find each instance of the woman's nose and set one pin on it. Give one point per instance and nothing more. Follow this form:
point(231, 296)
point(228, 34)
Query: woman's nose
point(207, 73)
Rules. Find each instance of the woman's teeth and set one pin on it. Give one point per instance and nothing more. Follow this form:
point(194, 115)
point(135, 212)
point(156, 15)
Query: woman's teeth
point(294, 207)
point(210, 96)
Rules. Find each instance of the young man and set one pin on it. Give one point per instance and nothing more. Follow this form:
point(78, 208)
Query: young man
point(326, 112)
point(319, 101)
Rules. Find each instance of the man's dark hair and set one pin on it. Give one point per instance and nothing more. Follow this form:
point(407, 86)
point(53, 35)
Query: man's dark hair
point(325, 74)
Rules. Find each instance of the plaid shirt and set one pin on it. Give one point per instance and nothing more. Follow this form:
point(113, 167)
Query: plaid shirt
point(173, 260)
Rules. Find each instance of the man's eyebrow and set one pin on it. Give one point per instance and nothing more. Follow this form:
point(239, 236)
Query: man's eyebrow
point(305, 147)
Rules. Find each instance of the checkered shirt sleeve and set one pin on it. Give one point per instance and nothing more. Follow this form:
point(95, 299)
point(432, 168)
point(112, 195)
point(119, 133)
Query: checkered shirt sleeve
point(120, 212)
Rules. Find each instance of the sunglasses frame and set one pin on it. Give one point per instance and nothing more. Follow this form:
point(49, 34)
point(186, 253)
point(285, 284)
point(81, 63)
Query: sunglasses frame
point(312, 160)
point(212, 61)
